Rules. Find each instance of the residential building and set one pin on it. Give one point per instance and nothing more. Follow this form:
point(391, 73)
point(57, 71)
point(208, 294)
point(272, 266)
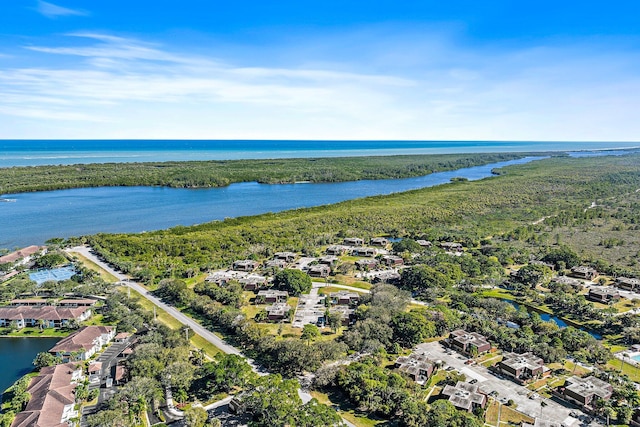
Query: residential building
point(277, 263)
point(336, 250)
point(329, 260)
point(379, 241)
point(566, 280)
point(364, 251)
point(285, 256)
point(80, 302)
point(424, 243)
point(347, 314)
point(253, 282)
point(603, 295)
point(344, 298)
point(417, 366)
point(353, 241)
point(392, 260)
point(584, 272)
point(391, 277)
point(22, 256)
point(52, 401)
point(278, 311)
point(42, 316)
point(245, 265)
point(451, 246)
point(83, 343)
point(366, 263)
point(95, 371)
point(320, 270)
point(522, 368)
point(468, 342)
point(628, 284)
point(583, 391)
point(272, 296)
point(465, 396)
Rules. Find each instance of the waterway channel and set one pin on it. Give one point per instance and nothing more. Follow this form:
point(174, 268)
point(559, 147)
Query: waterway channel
point(16, 356)
point(36, 217)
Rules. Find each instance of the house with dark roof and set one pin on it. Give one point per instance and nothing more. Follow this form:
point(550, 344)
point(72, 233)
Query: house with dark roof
point(584, 272)
point(245, 265)
point(352, 241)
point(379, 241)
point(603, 295)
point(366, 263)
point(451, 246)
point(52, 401)
point(465, 396)
point(285, 256)
point(278, 311)
point(417, 366)
point(319, 270)
point(391, 277)
point(344, 298)
point(272, 296)
point(347, 314)
point(252, 282)
point(83, 343)
point(329, 260)
point(584, 391)
point(336, 250)
point(522, 368)
point(628, 284)
point(392, 260)
point(468, 342)
point(364, 251)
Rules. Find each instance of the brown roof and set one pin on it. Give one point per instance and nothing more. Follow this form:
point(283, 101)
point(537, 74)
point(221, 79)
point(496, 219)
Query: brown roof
point(80, 340)
point(121, 371)
point(50, 392)
point(122, 335)
point(22, 253)
point(46, 312)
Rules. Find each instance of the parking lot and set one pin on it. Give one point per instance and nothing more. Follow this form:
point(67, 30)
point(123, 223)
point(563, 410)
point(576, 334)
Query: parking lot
point(505, 389)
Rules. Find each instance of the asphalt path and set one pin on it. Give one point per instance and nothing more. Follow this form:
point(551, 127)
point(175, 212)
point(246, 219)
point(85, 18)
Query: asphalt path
point(175, 313)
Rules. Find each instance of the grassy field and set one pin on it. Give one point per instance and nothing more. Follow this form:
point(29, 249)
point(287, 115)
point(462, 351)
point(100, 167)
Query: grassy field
point(35, 333)
point(508, 416)
point(164, 317)
point(107, 277)
point(346, 410)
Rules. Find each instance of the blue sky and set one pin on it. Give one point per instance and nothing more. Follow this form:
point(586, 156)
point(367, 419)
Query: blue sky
point(496, 70)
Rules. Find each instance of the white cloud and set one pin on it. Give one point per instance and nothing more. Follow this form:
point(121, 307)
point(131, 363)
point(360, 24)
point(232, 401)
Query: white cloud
point(53, 11)
point(434, 89)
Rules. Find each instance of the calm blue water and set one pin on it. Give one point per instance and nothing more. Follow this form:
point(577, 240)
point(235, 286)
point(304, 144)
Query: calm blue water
point(545, 317)
point(39, 152)
point(36, 217)
point(16, 355)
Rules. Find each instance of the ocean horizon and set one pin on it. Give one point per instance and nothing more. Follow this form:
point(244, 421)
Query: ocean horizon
point(65, 152)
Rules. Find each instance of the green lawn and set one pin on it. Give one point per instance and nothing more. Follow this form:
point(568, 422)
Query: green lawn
point(107, 277)
point(35, 332)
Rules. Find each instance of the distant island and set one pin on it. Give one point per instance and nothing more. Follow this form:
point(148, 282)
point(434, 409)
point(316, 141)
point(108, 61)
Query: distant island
point(206, 174)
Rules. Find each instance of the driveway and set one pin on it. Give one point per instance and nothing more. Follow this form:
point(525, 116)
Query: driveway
point(506, 389)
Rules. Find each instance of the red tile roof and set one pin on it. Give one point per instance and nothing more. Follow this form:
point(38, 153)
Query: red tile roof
point(22, 253)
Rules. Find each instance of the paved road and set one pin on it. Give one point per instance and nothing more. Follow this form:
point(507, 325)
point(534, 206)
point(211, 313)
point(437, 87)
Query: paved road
point(507, 389)
point(195, 326)
point(185, 320)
